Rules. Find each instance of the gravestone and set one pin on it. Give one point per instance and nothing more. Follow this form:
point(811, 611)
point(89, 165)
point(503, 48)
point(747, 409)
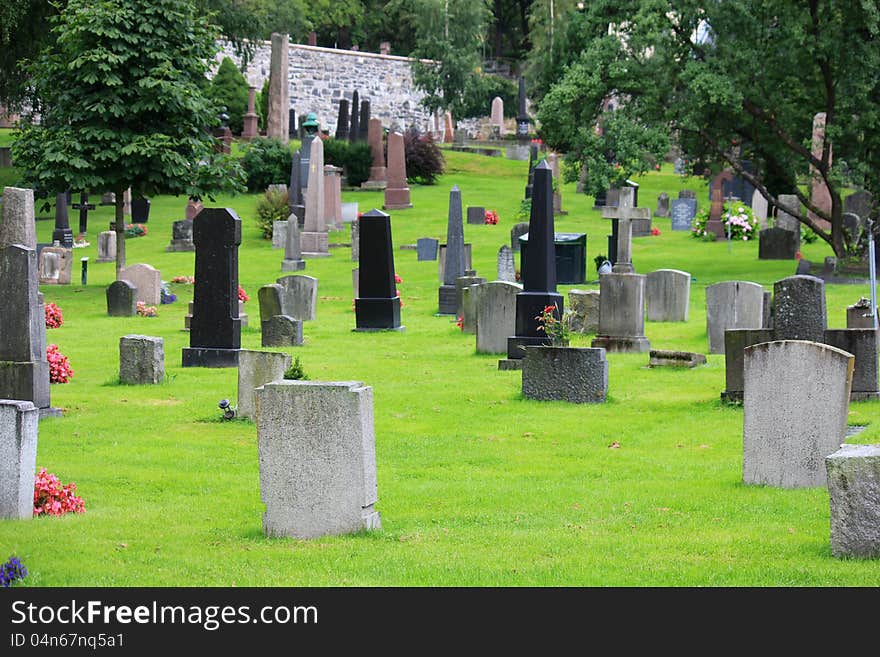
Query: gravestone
point(759, 209)
point(578, 375)
point(732, 305)
point(454, 259)
point(354, 121)
point(678, 167)
point(851, 224)
point(292, 247)
point(62, 233)
point(860, 203)
point(181, 236)
point(785, 216)
point(121, 299)
point(777, 244)
point(107, 246)
point(140, 210)
point(279, 234)
point(295, 203)
point(355, 240)
point(18, 458)
point(495, 316)
point(84, 206)
point(862, 344)
point(270, 299)
point(687, 193)
point(349, 212)
point(24, 370)
point(250, 120)
point(278, 117)
point(364, 120)
point(716, 208)
point(333, 197)
point(533, 158)
point(281, 331)
point(539, 269)
point(341, 121)
point(299, 296)
point(441, 260)
point(141, 360)
point(516, 232)
point(570, 253)
point(193, 207)
point(682, 212)
point(735, 342)
point(553, 161)
point(506, 264)
point(859, 314)
point(317, 478)
point(108, 198)
point(476, 215)
point(623, 217)
point(215, 329)
point(396, 191)
point(314, 236)
point(377, 306)
point(355, 277)
point(147, 280)
point(799, 309)
point(668, 294)
point(820, 195)
point(461, 284)
point(255, 369)
point(789, 429)
point(470, 296)
point(664, 358)
point(426, 248)
point(448, 130)
point(584, 306)
point(378, 171)
point(19, 224)
point(55, 265)
point(497, 115)
point(662, 205)
point(853, 475)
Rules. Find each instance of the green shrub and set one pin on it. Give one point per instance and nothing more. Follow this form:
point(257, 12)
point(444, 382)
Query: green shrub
point(262, 103)
point(271, 208)
point(355, 159)
point(266, 161)
point(230, 89)
point(735, 214)
point(295, 371)
point(424, 160)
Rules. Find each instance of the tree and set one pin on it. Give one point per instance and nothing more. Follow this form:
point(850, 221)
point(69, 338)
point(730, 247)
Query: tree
point(735, 82)
point(229, 89)
point(22, 34)
point(120, 102)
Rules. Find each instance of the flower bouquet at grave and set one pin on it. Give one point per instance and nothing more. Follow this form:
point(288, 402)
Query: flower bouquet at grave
point(144, 310)
point(491, 217)
point(166, 295)
point(736, 216)
point(11, 571)
point(54, 318)
point(554, 326)
point(51, 498)
point(184, 280)
point(135, 230)
point(80, 242)
point(242, 295)
point(59, 367)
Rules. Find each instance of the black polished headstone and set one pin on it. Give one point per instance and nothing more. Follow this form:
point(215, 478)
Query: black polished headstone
point(533, 156)
point(291, 122)
point(364, 120)
point(522, 119)
point(538, 269)
point(295, 205)
point(121, 299)
point(140, 210)
point(215, 329)
point(304, 155)
point(354, 124)
point(377, 306)
point(62, 233)
point(342, 120)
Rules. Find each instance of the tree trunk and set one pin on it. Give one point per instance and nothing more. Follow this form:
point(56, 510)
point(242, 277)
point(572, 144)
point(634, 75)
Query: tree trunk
point(120, 231)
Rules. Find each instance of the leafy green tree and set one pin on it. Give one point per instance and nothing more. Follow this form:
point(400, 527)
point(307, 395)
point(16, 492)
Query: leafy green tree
point(737, 84)
point(22, 34)
point(120, 103)
point(229, 89)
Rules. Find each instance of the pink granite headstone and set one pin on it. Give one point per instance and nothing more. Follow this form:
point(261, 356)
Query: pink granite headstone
point(397, 192)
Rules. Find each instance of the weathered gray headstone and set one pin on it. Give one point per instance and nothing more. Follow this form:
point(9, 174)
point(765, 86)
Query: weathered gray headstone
point(141, 359)
point(56, 264)
point(622, 313)
point(441, 259)
point(799, 308)
point(461, 283)
point(453, 257)
point(355, 241)
point(317, 458)
point(777, 244)
point(299, 296)
point(506, 264)
point(255, 369)
point(281, 331)
point(668, 295)
point(852, 225)
point(678, 167)
point(496, 316)
point(732, 305)
point(572, 374)
point(426, 248)
point(687, 193)
point(735, 341)
point(662, 205)
point(270, 300)
point(516, 232)
point(279, 234)
point(683, 211)
point(18, 458)
point(476, 215)
point(664, 358)
point(181, 236)
point(584, 306)
point(789, 205)
point(470, 295)
point(795, 404)
point(19, 224)
point(759, 209)
point(859, 314)
point(292, 247)
point(349, 213)
point(853, 474)
point(314, 235)
point(121, 299)
point(147, 280)
point(107, 246)
point(862, 344)
point(860, 203)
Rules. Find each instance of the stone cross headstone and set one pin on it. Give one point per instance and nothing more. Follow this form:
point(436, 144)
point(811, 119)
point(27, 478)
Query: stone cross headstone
point(107, 246)
point(732, 305)
point(426, 248)
point(354, 122)
point(18, 458)
point(455, 256)
point(506, 264)
point(141, 360)
point(314, 236)
point(789, 429)
point(495, 316)
point(215, 329)
point(121, 299)
point(539, 267)
point(316, 479)
point(84, 206)
point(668, 294)
point(378, 172)
point(148, 281)
point(24, 370)
point(497, 115)
point(624, 214)
point(62, 233)
point(759, 208)
point(396, 191)
point(377, 306)
point(683, 211)
point(820, 195)
point(256, 369)
point(292, 248)
point(277, 120)
point(19, 222)
point(181, 236)
point(662, 205)
point(299, 297)
point(342, 120)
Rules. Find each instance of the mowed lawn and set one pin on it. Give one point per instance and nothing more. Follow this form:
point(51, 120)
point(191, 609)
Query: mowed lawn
point(477, 486)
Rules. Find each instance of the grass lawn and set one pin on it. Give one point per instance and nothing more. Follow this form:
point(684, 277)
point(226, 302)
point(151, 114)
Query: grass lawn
point(477, 486)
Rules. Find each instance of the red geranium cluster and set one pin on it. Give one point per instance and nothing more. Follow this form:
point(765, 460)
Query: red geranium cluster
point(53, 499)
point(491, 217)
point(655, 231)
point(242, 295)
point(398, 280)
point(460, 322)
point(59, 367)
point(54, 318)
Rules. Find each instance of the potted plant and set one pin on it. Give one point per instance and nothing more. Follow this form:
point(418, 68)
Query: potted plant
point(603, 264)
point(559, 372)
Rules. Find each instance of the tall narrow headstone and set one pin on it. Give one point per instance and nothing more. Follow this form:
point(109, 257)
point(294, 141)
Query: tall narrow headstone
point(215, 329)
point(24, 370)
point(277, 125)
point(62, 233)
point(522, 117)
point(448, 128)
point(539, 281)
point(662, 205)
point(332, 197)
point(354, 123)
point(506, 264)
point(18, 458)
point(759, 208)
point(364, 121)
point(292, 249)
point(786, 211)
point(553, 160)
point(820, 195)
point(397, 191)
point(314, 235)
point(295, 204)
point(533, 157)
point(19, 223)
point(497, 115)
point(342, 120)
point(716, 209)
point(377, 306)
point(455, 257)
point(378, 171)
point(250, 127)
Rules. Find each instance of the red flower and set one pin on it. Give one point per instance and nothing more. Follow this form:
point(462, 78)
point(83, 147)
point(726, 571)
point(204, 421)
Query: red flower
point(397, 279)
point(53, 499)
point(59, 367)
point(54, 318)
point(798, 256)
point(242, 295)
point(460, 322)
point(655, 231)
point(491, 217)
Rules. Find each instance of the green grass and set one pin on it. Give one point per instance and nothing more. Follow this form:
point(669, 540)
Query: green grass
point(477, 486)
